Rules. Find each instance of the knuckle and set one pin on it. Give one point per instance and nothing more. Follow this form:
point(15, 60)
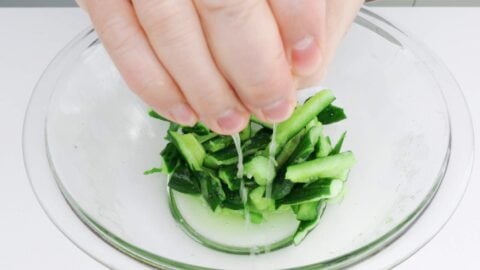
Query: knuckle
point(124, 45)
point(121, 35)
point(153, 13)
point(160, 19)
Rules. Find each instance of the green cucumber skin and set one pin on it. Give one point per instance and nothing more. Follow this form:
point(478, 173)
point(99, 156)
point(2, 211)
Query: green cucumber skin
point(338, 146)
point(324, 147)
point(228, 156)
point(259, 202)
point(218, 143)
point(289, 148)
point(228, 175)
point(211, 189)
point(307, 226)
point(302, 116)
point(221, 142)
point(171, 158)
point(331, 114)
point(281, 187)
point(307, 146)
point(190, 149)
point(232, 200)
point(153, 170)
point(205, 138)
point(199, 128)
point(183, 181)
point(256, 218)
point(246, 133)
point(307, 211)
point(155, 115)
point(300, 193)
point(327, 167)
point(255, 119)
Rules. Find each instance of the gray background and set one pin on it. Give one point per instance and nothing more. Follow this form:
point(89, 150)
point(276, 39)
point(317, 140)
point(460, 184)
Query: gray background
point(71, 3)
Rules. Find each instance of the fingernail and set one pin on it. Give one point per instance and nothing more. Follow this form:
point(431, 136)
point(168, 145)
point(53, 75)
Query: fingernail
point(230, 121)
point(305, 56)
point(278, 111)
point(182, 114)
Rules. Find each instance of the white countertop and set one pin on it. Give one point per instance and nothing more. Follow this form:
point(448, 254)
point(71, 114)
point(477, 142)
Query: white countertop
point(30, 38)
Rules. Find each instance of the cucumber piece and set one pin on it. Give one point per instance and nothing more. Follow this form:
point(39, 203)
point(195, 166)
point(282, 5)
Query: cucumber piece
point(256, 218)
point(281, 187)
point(338, 145)
point(199, 128)
point(229, 156)
point(152, 171)
point(331, 114)
point(254, 119)
point(211, 189)
point(261, 169)
point(218, 143)
point(183, 181)
point(307, 145)
point(314, 122)
point(259, 142)
point(307, 226)
point(319, 190)
point(306, 211)
point(335, 166)
point(232, 200)
point(228, 175)
point(204, 138)
point(155, 115)
point(324, 147)
point(289, 148)
point(222, 142)
point(170, 158)
point(190, 149)
point(224, 157)
point(259, 202)
point(246, 133)
point(302, 115)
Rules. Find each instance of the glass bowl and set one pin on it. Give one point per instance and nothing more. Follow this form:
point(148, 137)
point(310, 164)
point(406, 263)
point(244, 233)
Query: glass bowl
point(88, 138)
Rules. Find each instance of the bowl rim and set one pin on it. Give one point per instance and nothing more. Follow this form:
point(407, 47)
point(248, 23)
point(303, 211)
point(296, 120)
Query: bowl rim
point(367, 251)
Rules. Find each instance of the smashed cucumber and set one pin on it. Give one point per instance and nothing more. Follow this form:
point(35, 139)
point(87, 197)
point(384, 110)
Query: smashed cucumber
point(293, 183)
point(190, 148)
point(302, 115)
point(335, 167)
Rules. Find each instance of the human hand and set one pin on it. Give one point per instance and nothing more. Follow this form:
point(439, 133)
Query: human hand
point(218, 61)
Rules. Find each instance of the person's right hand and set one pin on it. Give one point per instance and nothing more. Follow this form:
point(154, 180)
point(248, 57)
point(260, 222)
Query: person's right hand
point(219, 61)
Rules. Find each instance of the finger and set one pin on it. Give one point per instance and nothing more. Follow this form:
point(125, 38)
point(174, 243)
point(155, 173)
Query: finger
point(127, 45)
point(302, 24)
point(247, 46)
point(339, 16)
point(174, 30)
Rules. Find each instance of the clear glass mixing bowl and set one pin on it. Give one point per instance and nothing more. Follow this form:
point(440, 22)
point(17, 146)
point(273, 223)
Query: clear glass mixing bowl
point(407, 125)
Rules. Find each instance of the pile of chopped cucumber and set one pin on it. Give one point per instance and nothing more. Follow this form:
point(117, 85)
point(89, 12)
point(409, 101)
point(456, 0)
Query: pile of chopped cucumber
point(292, 164)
